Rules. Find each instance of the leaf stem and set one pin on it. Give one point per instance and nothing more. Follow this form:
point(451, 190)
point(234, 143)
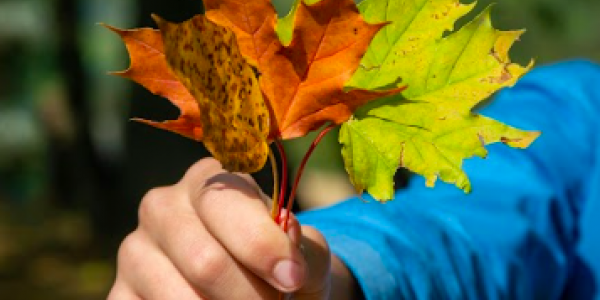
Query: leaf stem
point(312, 147)
point(283, 189)
point(274, 202)
point(284, 178)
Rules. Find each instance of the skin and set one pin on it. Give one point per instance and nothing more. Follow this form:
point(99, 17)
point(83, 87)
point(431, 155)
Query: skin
point(211, 236)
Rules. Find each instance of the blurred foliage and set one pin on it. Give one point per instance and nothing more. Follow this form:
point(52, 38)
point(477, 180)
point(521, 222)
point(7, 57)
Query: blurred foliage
point(72, 169)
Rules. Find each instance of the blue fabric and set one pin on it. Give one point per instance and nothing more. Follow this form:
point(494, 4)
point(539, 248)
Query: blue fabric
point(529, 230)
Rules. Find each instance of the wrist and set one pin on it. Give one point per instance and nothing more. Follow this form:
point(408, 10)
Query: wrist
point(343, 283)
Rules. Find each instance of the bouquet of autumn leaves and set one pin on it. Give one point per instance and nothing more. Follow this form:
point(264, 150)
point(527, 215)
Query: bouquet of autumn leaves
point(401, 90)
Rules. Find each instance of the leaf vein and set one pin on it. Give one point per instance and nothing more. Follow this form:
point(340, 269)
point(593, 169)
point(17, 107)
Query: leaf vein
point(309, 65)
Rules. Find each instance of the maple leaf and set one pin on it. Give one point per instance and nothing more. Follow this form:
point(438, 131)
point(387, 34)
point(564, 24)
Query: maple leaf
point(303, 81)
point(149, 68)
point(430, 128)
point(235, 120)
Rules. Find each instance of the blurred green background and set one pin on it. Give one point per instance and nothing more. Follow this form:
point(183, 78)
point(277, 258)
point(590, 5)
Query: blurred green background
point(73, 169)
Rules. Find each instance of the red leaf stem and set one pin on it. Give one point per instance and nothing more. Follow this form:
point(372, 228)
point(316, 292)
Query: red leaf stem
point(301, 170)
point(284, 178)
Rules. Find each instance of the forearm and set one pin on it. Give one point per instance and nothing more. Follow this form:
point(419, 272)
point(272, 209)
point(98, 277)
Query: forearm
point(513, 236)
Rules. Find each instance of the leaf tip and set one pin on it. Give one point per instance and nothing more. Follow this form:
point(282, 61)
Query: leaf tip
point(504, 42)
point(430, 181)
point(360, 196)
point(158, 20)
point(382, 195)
point(531, 64)
point(114, 29)
point(486, 14)
point(467, 6)
point(116, 73)
point(360, 189)
point(467, 189)
point(522, 142)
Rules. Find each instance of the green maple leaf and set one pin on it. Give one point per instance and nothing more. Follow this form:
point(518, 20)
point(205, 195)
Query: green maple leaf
point(430, 128)
point(285, 25)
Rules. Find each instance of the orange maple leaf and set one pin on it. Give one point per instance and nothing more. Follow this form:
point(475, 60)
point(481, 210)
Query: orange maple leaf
point(149, 68)
point(303, 82)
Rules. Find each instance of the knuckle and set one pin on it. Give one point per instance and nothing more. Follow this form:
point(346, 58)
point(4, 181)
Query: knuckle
point(212, 194)
point(208, 264)
point(318, 238)
point(120, 290)
point(260, 244)
point(223, 189)
point(202, 169)
point(155, 201)
point(209, 199)
point(206, 163)
point(129, 250)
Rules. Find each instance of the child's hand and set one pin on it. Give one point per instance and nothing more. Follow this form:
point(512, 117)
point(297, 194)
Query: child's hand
point(211, 236)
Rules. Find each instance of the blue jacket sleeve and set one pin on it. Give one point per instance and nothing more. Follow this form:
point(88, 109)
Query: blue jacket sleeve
point(530, 228)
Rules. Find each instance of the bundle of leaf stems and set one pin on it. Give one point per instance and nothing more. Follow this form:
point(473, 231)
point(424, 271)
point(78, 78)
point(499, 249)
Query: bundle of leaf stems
point(280, 188)
point(278, 198)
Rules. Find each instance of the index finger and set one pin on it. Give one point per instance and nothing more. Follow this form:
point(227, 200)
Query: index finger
point(232, 209)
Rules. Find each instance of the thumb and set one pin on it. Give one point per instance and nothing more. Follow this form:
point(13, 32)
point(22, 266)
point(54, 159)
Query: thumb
point(318, 259)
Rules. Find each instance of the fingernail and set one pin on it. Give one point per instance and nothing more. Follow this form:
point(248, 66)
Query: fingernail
point(288, 274)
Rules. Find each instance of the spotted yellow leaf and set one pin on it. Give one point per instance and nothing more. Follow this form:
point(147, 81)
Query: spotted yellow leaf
point(206, 59)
